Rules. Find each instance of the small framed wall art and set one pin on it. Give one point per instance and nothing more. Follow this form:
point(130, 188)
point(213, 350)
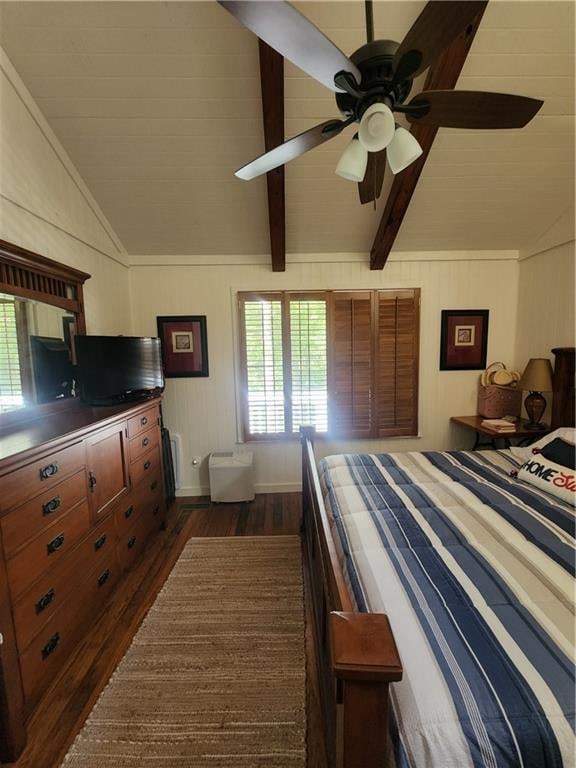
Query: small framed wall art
point(463, 339)
point(184, 344)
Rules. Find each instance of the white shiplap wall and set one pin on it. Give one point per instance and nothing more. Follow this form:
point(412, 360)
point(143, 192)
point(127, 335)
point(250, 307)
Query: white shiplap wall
point(203, 410)
point(46, 207)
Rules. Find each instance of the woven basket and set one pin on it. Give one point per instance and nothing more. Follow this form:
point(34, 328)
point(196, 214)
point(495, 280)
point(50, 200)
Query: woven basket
point(495, 402)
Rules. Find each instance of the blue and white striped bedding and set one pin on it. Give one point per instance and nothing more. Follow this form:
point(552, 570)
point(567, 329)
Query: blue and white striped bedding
point(476, 573)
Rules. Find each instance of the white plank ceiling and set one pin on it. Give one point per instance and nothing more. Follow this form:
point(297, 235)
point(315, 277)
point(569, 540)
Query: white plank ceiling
point(158, 103)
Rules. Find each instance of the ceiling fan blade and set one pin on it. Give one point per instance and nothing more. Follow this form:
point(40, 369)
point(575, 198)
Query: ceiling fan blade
point(290, 33)
point(472, 109)
point(369, 189)
point(291, 149)
point(438, 25)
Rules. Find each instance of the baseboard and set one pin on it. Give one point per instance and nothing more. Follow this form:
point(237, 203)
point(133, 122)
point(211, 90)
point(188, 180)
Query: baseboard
point(196, 490)
point(278, 487)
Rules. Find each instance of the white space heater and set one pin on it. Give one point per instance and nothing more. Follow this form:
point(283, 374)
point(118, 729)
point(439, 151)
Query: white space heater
point(231, 476)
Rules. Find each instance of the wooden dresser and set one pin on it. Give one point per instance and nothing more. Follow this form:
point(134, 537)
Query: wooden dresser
point(81, 493)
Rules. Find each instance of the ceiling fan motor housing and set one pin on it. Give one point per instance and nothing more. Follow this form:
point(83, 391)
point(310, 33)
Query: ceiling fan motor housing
point(374, 60)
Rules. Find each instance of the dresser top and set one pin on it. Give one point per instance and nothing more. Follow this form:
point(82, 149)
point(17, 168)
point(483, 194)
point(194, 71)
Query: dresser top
point(71, 420)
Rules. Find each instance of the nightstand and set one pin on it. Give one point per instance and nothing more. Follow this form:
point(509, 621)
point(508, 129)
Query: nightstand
point(522, 435)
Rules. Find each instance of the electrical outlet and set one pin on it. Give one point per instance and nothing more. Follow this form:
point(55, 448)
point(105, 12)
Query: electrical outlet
point(196, 461)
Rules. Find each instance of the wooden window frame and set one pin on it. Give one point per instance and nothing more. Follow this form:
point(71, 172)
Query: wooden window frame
point(375, 431)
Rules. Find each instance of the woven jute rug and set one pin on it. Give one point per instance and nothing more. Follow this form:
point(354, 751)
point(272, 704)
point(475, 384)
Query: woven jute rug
point(215, 676)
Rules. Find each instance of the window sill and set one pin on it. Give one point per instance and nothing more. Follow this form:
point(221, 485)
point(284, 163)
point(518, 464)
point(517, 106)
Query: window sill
point(321, 437)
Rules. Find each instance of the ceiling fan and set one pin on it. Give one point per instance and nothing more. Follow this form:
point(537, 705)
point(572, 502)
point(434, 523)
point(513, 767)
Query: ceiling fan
point(373, 84)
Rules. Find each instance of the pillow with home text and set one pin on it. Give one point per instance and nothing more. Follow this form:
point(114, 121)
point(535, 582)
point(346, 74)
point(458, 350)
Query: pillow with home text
point(545, 474)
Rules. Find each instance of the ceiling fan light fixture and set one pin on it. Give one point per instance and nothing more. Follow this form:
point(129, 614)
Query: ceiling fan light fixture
point(402, 150)
point(353, 161)
point(377, 127)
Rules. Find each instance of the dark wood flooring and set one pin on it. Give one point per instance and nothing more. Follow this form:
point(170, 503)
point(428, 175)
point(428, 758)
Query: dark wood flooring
point(66, 705)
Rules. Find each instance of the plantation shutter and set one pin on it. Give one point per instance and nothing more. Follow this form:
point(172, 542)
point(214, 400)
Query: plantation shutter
point(11, 395)
point(351, 364)
point(397, 355)
point(308, 362)
point(264, 410)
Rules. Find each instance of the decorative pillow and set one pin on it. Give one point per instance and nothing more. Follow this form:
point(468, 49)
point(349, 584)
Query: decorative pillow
point(545, 474)
point(560, 451)
point(523, 454)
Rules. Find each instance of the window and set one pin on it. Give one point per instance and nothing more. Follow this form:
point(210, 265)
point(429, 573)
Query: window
point(344, 361)
point(11, 395)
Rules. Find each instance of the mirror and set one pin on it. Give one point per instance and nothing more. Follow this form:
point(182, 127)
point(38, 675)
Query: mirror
point(36, 353)
point(41, 311)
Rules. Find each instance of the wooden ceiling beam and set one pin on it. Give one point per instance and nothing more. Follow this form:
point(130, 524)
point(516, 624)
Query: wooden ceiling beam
point(442, 75)
point(272, 82)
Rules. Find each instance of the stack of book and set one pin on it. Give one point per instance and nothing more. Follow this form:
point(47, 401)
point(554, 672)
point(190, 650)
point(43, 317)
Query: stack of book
point(499, 425)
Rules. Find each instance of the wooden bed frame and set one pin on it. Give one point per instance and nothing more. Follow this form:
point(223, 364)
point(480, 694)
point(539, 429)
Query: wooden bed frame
point(356, 653)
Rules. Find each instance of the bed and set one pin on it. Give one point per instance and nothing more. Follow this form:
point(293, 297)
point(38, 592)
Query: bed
point(443, 597)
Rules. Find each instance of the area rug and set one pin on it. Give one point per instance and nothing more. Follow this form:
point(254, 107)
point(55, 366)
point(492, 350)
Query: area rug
point(215, 676)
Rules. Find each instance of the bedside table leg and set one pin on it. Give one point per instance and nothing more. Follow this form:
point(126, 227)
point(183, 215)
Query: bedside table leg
point(476, 441)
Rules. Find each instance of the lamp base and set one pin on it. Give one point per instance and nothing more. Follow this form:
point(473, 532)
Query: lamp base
point(535, 406)
point(535, 427)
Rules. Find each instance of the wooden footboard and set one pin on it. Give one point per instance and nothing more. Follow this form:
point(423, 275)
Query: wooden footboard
point(356, 653)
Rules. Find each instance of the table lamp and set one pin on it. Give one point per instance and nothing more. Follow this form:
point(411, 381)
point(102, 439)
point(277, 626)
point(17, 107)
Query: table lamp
point(537, 378)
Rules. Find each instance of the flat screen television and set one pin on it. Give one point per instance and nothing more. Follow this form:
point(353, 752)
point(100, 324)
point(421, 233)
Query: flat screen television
point(51, 368)
point(115, 369)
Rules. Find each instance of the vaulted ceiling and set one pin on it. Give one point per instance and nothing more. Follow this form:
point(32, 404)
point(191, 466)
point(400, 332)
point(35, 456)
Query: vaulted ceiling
point(158, 103)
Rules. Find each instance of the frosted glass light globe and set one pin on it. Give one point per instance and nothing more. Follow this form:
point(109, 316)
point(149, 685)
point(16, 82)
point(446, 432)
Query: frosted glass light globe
point(376, 127)
point(353, 161)
point(402, 150)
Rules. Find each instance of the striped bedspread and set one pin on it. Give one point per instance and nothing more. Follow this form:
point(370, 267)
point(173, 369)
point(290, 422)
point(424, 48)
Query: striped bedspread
point(476, 573)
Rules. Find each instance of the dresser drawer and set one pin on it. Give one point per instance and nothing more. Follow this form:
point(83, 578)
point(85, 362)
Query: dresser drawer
point(144, 442)
point(48, 549)
point(27, 521)
point(143, 421)
point(25, 483)
point(133, 542)
point(45, 656)
point(143, 497)
point(37, 606)
point(147, 466)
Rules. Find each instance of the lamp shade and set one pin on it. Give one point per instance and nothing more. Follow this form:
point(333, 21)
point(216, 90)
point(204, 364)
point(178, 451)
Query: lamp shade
point(353, 161)
point(537, 376)
point(377, 127)
point(402, 150)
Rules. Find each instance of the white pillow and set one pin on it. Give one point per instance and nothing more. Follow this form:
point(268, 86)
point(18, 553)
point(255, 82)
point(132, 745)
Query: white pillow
point(545, 474)
point(523, 454)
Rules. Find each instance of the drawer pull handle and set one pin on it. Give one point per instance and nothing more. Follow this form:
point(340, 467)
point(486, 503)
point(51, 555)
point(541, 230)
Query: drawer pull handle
point(91, 480)
point(131, 542)
point(154, 485)
point(48, 471)
point(51, 506)
point(145, 442)
point(50, 645)
point(45, 601)
point(128, 512)
point(55, 544)
point(103, 578)
point(99, 543)
point(144, 421)
point(147, 464)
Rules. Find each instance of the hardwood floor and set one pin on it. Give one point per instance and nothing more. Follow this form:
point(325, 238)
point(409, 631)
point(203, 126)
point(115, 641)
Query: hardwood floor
point(267, 515)
point(66, 705)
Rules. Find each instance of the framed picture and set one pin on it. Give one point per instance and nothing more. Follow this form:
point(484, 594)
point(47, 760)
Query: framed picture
point(184, 345)
point(464, 339)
